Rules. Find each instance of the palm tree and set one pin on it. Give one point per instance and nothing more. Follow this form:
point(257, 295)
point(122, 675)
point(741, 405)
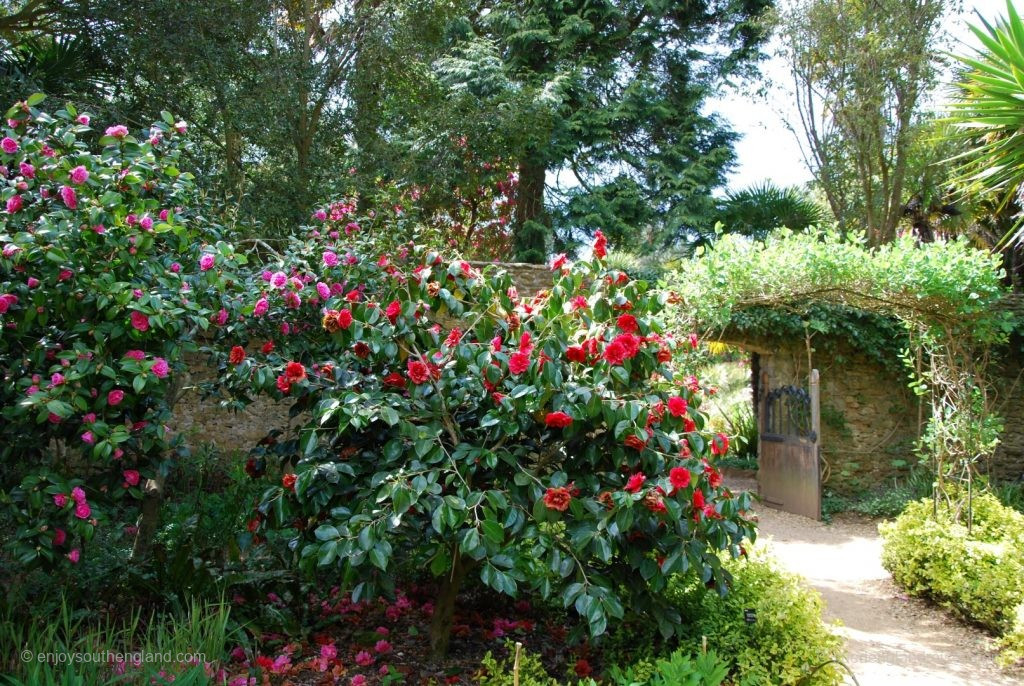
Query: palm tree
point(756, 210)
point(988, 118)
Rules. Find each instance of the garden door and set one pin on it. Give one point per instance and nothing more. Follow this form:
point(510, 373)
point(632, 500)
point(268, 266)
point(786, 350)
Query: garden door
point(788, 447)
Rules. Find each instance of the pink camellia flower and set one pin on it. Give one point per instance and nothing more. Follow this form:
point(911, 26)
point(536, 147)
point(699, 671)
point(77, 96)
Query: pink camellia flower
point(146, 222)
point(117, 131)
point(32, 390)
point(359, 680)
point(320, 214)
point(14, 203)
point(164, 214)
point(9, 250)
point(131, 477)
point(175, 267)
point(181, 127)
point(261, 307)
point(82, 510)
point(155, 139)
point(79, 175)
point(278, 280)
point(60, 500)
point(136, 355)
point(160, 367)
point(292, 300)
point(118, 454)
point(27, 170)
point(54, 418)
point(364, 659)
point(74, 555)
point(330, 259)
point(64, 274)
point(87, 437)
point(222, 317)
point(206, 262)
point(67, 194)
point(382, 646)
point(9, 145)
point(59, 536)
point(83, 119)
point(140, 321)
point(323, 289)
point(48, 151)
point(100, 229)
point(77, 494)
point(56, 379)
point(89, 418)
point(131, 220)
point(115, 397)
point(32, 282)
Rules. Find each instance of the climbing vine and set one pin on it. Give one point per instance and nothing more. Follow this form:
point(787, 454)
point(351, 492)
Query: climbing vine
point(942, 297)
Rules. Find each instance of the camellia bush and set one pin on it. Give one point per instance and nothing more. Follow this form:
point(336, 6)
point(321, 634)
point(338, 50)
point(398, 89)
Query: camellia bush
point(103, 276)
point(549, 443)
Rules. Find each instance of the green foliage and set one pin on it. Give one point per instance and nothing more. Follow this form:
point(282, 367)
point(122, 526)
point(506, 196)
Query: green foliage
point(887, 501)
point(758, 210)
point(975, 570)
point(679, 669)
point(499, 672)
point(200, 630)
point(927, 284)
point(786, 642)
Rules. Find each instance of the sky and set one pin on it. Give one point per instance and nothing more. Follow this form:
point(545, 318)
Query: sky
point(768, 150)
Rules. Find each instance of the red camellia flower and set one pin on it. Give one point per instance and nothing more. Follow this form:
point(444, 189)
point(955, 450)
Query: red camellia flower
point(635, 482)
point(698, 499)
point(664, 354)
point(630, 344)
point(559, 261)
point(283, 384)
point(394, 309)
point(627, 323)
point(576, 353)
point(453, 338)
point(633, 441)
point(679, 477)
point(361, 350)
point(689, 425)
point(600, 245)
point(288, 481)
point(557, 498)
point(719, 444)
point(676, 406)
point(518, 362)
point(418, 371)
point(267, 348)
point(295, 371)
point(237, 355)
point(394, 379)
point(582, 668)
point(558, 420)
point(345, 318)
point(614, 353)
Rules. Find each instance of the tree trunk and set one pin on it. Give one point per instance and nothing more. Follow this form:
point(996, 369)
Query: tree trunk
point(531, 222)
point(153, 492)
point(444, 607)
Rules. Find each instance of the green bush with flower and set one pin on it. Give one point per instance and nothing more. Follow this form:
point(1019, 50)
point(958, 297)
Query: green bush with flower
point(549, 444)
point(105, 279)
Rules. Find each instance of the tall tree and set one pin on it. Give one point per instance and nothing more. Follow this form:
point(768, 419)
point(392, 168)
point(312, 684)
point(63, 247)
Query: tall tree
point(610, 94)
point(860, 70)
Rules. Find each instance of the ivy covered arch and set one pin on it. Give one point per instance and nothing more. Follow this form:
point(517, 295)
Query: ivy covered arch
point(945, 296)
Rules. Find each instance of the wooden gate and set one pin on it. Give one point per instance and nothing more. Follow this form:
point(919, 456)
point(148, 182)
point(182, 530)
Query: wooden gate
point(788, 448)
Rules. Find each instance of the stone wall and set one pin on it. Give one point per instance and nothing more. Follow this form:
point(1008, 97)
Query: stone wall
point(869, 418)
point(204, 421)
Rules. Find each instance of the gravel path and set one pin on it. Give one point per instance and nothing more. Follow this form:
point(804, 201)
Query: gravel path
point(892, 640)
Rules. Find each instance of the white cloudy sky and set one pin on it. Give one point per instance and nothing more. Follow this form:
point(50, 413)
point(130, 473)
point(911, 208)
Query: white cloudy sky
point(768, 150)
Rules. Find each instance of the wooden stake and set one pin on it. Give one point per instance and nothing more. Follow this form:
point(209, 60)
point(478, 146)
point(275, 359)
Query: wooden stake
point(515, 665)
